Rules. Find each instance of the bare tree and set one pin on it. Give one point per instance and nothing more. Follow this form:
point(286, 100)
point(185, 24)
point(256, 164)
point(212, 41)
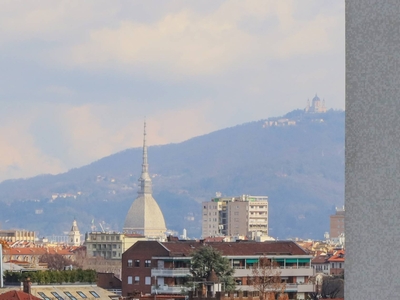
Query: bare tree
point(55, 261)
point(332, 287)
point(266, 279)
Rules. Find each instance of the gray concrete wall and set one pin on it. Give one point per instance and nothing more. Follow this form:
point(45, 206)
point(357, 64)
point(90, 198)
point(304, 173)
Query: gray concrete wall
point(372, 149)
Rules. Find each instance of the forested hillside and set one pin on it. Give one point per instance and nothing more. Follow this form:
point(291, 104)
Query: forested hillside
point(300, 167)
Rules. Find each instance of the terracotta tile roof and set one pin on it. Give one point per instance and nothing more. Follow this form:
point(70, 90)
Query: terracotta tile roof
point(17, 295)
point(40, 251)
point(214, 239)
point(134, 235)
point(320, 259)
point(243, 248)
point(338, 256)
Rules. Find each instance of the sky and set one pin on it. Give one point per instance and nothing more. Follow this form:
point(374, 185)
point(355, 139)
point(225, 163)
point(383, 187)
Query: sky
point(78, 78)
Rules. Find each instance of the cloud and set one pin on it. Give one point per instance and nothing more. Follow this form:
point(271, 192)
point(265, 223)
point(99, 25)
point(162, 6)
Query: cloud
point(188, 43)
point(19, 155)
point(78, 78)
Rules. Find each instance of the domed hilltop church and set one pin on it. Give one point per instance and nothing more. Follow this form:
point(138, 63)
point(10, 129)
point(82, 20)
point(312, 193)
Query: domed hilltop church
point(317, 106)
point(145, 216)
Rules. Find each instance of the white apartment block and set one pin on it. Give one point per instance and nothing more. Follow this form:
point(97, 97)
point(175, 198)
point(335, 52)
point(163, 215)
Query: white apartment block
point(235, 216)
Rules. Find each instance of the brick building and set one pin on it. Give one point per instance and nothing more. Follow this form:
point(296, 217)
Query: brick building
point(152, 267)
point(337, 223)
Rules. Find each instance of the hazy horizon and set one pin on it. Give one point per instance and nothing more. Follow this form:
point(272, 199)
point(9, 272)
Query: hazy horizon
point(78, 79)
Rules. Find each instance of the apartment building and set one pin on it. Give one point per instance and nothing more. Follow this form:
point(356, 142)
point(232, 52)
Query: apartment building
point(235, 216)
point(17, 235)
point(152, 267)
point(109, 245)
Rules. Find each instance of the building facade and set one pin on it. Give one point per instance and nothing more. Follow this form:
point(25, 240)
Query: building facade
point(152, 267)
point(17, 235)
point(235, 216)
point(109, 245)
point(337, 223)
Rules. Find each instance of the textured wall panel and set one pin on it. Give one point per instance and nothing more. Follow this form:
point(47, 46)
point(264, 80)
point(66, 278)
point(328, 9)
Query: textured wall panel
point(372, 150)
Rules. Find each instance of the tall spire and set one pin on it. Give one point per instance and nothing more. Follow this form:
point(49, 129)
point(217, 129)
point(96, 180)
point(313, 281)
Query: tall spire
point(145, 180)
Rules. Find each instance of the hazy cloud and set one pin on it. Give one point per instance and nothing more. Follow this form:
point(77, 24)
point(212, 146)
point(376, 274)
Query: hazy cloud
point(78, 78)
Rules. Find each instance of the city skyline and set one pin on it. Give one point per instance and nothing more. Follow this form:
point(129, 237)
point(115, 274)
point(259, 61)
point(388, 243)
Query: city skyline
point(79, 78)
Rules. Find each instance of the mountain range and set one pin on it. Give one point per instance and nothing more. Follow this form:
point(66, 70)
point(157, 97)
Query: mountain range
point(297, 160)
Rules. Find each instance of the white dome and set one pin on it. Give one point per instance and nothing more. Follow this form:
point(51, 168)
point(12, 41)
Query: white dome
point(145, 217)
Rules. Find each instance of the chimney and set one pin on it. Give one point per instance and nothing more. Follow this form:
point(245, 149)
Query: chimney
point(27, 285)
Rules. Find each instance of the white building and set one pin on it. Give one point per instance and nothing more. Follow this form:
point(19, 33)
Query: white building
point(235, 216)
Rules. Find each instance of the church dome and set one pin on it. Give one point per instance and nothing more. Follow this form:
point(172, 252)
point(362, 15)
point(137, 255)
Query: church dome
point(316, 98)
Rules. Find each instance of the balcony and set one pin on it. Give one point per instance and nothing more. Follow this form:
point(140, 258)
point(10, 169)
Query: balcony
point(165, 289)
point(284, 271)
point(305, 288)
point(178, 272)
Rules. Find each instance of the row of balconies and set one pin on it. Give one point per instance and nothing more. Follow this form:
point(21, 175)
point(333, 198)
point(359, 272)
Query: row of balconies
point(239, 272)
point(178, 289)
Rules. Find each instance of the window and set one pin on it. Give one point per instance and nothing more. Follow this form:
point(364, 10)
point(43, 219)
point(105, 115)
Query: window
point(129, 279)
point(81, 294)
point(70, 296)
point(340, 265)
point(136, 279)
point(94, 294)
point(43, 296)
point(147, 263)
point(333, 265)
point(137, 263)
point(55, 294)
point(147, 280)
point(129, 262)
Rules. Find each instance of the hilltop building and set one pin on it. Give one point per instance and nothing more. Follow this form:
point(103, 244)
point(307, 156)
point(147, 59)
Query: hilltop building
point(317, 106)
point(74, 236)
point(145, 216)
point(235, 216)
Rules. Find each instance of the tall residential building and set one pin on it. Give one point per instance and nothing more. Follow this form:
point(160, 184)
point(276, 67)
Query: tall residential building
point(235, 216)
point(337, 223)
point(145, 216)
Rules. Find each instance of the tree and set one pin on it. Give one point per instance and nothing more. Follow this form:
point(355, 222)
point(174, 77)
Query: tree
point(55, 261)
point(266, 279)
point(332, 287)
point(207, 259)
